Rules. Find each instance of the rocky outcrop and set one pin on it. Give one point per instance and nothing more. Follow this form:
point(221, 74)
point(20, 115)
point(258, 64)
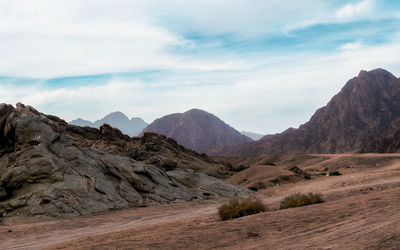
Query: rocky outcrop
point(366, 109)
point(197, 130)
point(119, 120)
point(51, 168)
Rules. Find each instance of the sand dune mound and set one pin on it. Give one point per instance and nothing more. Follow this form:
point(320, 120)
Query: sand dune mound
point(261, 176)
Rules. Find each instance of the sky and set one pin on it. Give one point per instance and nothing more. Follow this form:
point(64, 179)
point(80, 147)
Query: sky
point(261, 66)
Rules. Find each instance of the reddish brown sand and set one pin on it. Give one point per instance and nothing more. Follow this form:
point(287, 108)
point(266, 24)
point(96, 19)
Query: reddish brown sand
point(362, 211)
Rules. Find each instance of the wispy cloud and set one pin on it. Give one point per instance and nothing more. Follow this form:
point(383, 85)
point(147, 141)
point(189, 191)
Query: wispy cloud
point(352, 11)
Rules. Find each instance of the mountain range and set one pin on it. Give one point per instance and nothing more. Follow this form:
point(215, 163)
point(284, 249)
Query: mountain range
point(194, 129)
point(366, 110)
point(131, 127)
point(363, 117)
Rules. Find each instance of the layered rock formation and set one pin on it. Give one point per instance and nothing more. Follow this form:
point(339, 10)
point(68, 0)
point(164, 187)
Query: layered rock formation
point(131, 127)
point(366, 109)
point(51, 168)
point(197, 130)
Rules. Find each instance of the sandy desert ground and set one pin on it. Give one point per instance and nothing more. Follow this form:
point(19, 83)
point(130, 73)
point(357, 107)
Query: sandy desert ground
point(362, 211)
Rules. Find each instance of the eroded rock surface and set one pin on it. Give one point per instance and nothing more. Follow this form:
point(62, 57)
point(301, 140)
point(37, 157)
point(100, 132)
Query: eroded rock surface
point(51, 168)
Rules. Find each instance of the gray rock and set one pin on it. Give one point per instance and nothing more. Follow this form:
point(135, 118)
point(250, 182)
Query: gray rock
point(49, 168)
point(207, 186)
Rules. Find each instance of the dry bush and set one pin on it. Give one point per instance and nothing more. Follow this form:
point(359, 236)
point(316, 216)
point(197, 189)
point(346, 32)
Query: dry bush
point(298, 200)
point(236, 208)
point(257, 186)
point(334, 173)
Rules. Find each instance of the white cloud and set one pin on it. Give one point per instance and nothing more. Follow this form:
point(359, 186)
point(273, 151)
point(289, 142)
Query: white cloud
point(352, 11)
point(244, 18)
point(352, 46)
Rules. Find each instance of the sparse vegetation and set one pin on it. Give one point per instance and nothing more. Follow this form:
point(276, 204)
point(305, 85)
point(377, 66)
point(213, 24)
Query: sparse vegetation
point(298, 200)
point(238, 208)
point(256, 186)
point(269, 163)
point(299, 171)
point(235, 168)
point(334, 173)
point(253, 188)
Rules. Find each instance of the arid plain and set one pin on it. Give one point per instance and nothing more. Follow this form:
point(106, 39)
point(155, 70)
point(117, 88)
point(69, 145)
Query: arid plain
point(360, 211)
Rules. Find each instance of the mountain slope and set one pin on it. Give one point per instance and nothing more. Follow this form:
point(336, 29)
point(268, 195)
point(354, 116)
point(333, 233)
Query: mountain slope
point(367, 108)
point(389, 144)
point(198, 130)
point(118, 120)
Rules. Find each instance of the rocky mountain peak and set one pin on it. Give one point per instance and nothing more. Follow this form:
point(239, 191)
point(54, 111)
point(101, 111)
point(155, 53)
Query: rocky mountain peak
point(117, 115)
point(367, 107)
point(198, 130)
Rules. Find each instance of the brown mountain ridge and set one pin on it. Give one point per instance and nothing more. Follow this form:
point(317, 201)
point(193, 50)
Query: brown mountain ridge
point(366, 109)
point(197, 130)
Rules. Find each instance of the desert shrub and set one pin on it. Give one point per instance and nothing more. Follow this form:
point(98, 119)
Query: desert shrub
point(256, 186)
point(337, 173)
point(285, 178)
point(299, 171)
point(239, 168)
point(269, 163)
point(298, 200)
point(253, 188)
point(238, 208)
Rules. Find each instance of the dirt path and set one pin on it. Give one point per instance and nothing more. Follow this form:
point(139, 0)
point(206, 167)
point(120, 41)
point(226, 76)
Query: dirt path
point(40, 235)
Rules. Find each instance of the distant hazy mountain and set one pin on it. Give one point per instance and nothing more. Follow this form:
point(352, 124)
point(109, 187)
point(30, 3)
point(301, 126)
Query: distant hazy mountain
point(131, 127)
point(82, 123)
point(253, 136)
point(364, 116)
point(198, 130)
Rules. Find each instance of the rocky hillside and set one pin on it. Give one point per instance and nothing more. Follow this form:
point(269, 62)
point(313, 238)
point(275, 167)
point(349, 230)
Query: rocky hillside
point(389, 144)
point(197, 130)
point(51, 168)
point(366, 109)
point(131, 127)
